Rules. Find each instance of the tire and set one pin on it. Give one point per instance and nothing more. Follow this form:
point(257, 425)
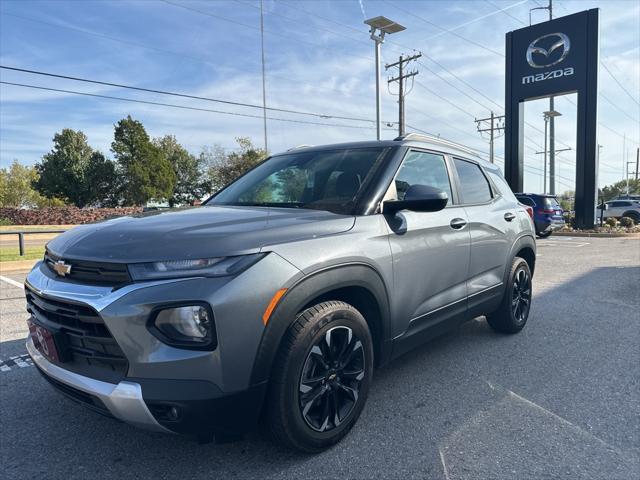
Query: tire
point(545, 234)
point(300, 409)
point(633, 215)
point(508, 318)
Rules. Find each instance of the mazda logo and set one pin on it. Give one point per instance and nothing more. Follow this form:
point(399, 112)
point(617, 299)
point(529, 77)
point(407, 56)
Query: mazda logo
point(61, 268)
point(536, 52)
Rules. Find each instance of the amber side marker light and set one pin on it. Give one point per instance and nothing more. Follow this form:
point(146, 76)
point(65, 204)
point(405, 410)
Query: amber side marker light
point(272, 305)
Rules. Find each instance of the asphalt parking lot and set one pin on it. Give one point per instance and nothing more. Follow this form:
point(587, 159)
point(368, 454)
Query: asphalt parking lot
point(559, 400)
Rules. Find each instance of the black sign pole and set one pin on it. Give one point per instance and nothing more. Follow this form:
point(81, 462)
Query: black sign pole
point(587, 134)
point(513, 128)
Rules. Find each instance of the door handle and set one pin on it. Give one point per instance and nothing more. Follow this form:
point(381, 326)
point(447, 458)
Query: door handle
point(458, 223)
point(509, 216)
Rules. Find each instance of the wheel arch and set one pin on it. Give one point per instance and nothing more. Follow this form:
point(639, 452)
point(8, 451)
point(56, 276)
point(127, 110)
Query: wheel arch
point(524, 247)
point(354, 283)
point(633, 214)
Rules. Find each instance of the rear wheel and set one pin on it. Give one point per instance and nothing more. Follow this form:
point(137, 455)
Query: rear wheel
point(512, 315)
point(321, 377)
point(635, 216)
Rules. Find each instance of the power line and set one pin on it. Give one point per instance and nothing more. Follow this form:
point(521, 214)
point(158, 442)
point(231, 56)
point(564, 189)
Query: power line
point(246, 25)
point(294, 20)
point(450, 32)
point(184, 95)
point(152, 48)
point(619, 83)
point(182, 107)
point(604, 97)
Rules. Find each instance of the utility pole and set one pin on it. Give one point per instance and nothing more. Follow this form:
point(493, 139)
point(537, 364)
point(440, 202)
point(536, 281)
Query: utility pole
point(495, 127)
point(401, 85)
point(264, 87)
point(637, 162)
point(552, 133)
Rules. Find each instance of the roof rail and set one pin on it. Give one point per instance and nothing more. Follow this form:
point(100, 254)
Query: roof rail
point(419, 137)
point(298, 146)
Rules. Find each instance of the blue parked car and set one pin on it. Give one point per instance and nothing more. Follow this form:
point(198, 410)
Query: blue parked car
point(547, 212)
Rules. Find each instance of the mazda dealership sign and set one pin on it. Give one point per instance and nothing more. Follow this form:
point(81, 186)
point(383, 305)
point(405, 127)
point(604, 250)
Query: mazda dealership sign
point(550, 59)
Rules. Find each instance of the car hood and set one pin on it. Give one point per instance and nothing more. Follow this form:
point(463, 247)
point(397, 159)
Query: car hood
point(194, 233)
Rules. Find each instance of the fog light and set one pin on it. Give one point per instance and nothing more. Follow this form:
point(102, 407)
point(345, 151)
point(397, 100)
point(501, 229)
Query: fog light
point(188, 325)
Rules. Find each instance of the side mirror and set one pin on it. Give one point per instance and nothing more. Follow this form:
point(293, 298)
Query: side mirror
point(418, 198)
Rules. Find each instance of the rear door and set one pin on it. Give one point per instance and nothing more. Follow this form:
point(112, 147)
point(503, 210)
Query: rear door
point(493, 225)
point(430, 251)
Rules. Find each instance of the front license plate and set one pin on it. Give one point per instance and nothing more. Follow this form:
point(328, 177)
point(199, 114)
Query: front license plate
point(44, 341)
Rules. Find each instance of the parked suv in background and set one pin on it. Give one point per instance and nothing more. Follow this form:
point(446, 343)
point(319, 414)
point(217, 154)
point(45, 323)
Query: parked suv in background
point(547, 213)
point(282, 292)
point(620, 208)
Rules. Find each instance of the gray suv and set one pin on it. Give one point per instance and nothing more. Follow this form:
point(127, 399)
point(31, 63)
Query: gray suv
point(276, 299)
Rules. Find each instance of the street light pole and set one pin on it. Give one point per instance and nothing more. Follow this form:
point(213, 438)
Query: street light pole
point(379, 27)
point(378, 92)
point(546, 126)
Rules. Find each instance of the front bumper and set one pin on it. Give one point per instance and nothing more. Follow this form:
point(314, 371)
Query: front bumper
point(123, 400)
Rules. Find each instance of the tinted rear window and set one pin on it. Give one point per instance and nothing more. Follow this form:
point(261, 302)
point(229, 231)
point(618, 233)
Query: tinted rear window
point(474, 185)
point(551, 203)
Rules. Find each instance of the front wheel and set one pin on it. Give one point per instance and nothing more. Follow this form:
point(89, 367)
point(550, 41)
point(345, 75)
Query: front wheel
point(512, 315)
point(321, 377)
point(545, 234)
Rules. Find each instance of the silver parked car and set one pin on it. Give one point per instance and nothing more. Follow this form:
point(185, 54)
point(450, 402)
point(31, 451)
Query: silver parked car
point(619, 209)
point(280, 294)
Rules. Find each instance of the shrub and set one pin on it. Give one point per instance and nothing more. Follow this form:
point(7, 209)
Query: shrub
point(627, 222)
point(612, 222)
point(5, 221)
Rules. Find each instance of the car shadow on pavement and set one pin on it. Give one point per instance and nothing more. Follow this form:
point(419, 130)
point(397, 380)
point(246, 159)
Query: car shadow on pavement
point(556, 400)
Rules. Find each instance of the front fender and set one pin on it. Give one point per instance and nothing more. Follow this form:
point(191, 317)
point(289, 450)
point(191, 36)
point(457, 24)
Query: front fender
point(306, 290)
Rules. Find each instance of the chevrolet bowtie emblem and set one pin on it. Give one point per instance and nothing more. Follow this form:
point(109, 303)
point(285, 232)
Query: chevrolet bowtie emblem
point(61, 268)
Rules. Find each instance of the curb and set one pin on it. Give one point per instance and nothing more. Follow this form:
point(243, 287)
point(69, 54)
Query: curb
point(596, 235)
point(17, 265)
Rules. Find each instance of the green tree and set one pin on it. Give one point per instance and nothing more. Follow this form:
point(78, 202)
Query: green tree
point(62, 171)
point(16, 188)
point(225, 167)
point(144, 171)
point(610, 192)
point(190, 183)
point(103, 181)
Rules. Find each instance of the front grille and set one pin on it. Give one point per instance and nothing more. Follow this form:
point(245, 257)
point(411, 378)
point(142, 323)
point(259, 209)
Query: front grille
point(86, 347)
point(101, 273)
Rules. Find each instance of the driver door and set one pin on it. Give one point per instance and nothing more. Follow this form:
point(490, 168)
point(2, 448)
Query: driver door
point(430, 252)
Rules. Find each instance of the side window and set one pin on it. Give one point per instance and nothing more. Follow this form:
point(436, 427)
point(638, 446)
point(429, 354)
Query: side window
point(474, 185)
point(527, 201)
point(422, 168)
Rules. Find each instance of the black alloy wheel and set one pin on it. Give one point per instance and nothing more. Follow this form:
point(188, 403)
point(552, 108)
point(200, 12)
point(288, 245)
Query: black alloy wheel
point(321, 377)
point(512, 314)
point(521, 295)
point(331, 377)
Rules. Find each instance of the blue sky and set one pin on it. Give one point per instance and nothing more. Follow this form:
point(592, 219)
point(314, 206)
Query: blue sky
point(318, 59)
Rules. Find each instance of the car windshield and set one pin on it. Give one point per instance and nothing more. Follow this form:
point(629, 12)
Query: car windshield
point(324, 180)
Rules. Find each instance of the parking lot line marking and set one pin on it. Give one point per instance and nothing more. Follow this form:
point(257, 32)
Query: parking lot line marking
point(445, 470)
point(20, 361)
point(11, 282)
point(540, 408)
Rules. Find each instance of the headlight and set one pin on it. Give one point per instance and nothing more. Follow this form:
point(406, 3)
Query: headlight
point(189, 326)
point(206, 267)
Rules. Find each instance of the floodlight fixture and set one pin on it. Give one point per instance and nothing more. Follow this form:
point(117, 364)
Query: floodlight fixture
point(380, 26)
